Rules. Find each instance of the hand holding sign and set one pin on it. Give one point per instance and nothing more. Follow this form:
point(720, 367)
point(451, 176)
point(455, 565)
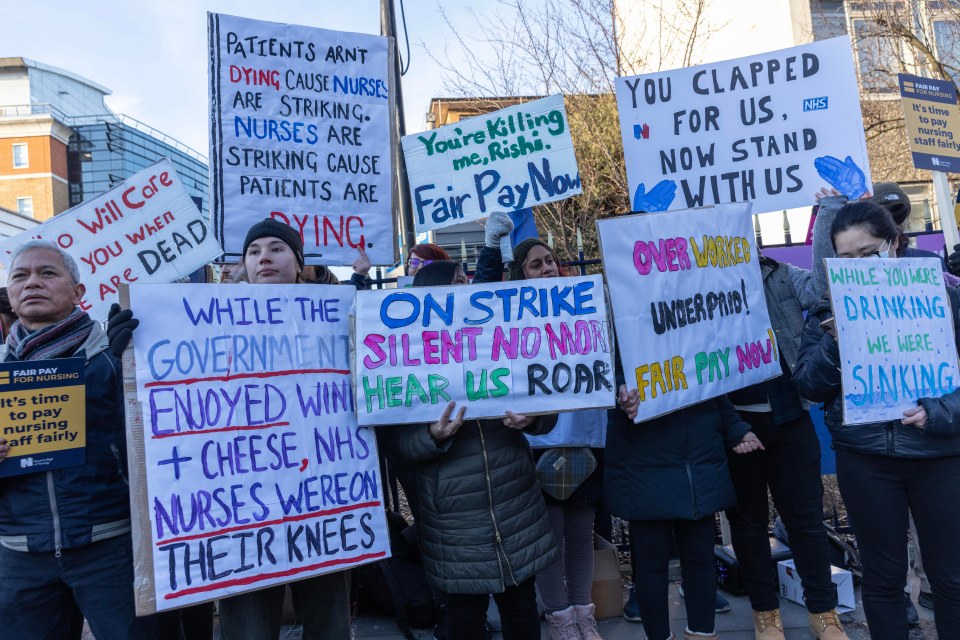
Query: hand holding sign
point(629, 402)
point(445, 427)
point(4, 449)
point(917, 416)
point(844, 176)
point(496, 234)
point(517, 421)
point(120, 326)
point(659, 198)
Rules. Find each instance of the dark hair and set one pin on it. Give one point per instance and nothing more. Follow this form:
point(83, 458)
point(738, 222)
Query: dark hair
point(875, 219)
point(430, 251)
point(439, 273)
point(5, 307)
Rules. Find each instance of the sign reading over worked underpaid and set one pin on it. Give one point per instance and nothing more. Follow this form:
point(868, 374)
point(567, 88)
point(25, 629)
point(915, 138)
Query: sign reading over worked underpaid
point(933, 122)
point(771, 129)
point(252, 457)
point(895, 329)
point(506, 160)
point(147, 229)
point(43, 410)
point(301, 133)
point(688, 305)
point(532, 346)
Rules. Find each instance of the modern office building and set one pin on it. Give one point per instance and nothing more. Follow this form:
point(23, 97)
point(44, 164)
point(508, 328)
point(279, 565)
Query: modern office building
point(60, 144)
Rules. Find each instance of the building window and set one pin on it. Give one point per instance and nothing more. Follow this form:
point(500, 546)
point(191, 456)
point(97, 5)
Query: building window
point(877, 57)
point(947, 34)
point(829, 19)
point(20, 158)
point(25, 206)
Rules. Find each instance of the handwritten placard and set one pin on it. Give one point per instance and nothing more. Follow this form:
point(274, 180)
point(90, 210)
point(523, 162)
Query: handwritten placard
point(301, 133)
point(688, 304)
point(506, 160)
point(253, 457)
point(771, 129)
point(532, 346)
point(895, 329)
point(147, 229)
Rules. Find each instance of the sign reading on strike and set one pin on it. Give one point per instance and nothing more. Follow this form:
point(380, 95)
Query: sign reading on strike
point(506, 160)
point(771, 129)
point(895, 329)
point(43, 408)
point(688, 305)
point(147, 229)
point(532, 346)
point(301, 133)
point(250, 450)
point(932, 121)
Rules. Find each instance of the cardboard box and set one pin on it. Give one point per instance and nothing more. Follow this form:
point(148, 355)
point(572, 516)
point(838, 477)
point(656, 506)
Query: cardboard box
point(791, 589)
point(607, 592)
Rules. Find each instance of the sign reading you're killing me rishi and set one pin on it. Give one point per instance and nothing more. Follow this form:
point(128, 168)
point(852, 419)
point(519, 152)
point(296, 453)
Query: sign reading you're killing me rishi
point(770, 128)
point(506, 160)
point(896, 334)
point(301, 133)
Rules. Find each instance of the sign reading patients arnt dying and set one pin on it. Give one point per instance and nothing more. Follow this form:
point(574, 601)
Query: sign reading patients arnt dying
point(688, 304)
point(771, 129)
point(301, 133)
point(506, 160)
point(532, 347)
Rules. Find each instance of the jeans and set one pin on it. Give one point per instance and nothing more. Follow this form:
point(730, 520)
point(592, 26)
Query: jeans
point(569, 580)
point(790, 466)
point(322, 603)
point(878, 490)
point(651, 543)
point(39, 593)
point(519, 618)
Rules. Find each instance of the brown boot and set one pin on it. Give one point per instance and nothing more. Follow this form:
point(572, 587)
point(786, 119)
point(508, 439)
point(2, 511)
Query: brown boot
point(826, 626)
point(767, 625)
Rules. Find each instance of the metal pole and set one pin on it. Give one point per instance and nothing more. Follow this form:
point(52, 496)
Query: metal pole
point(388, 28)
point(941, 190)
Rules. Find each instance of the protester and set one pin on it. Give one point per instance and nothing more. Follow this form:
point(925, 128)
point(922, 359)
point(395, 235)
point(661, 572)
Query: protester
point(884, 469)
point(228, 272)
point(65, 534)
point(7, 316)
point(273, 254)
point(483, 524)
point(423, 254)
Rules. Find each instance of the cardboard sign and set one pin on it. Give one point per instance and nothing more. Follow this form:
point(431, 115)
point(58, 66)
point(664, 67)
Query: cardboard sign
point(506, 160)
point(43, 405)
point(771, 129)
point(248, 442)
point(301, 133)
point(895, 329)
point(532, 346)
point(147, 229)
point(688, 305)
point(932, 120)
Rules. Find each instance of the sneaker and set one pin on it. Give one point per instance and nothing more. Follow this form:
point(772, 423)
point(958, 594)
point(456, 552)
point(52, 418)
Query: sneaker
point(631, 610)
point(722, 606)
point(926, 600)
point(913, 618)
point(563, 624)
point(586, 623)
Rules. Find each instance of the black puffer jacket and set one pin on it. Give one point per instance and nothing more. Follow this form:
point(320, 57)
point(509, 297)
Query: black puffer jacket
point(818, 379)
point(483, 522)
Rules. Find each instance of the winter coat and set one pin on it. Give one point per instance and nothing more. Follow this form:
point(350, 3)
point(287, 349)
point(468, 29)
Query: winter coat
point(483, 522)
point(72, 507)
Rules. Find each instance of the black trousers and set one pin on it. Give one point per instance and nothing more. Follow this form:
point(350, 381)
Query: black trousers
point(519, 618)
point(790, 467)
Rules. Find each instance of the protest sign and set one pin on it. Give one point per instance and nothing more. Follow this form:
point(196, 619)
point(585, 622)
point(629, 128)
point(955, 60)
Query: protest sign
point(932, 120)
point(43, 406)
point(507, 160)
point(771, 129)
point(534, 346)
point(301, 133)
point(688, 305)
point(247, 449)
point(895, 329)
point(147, 229)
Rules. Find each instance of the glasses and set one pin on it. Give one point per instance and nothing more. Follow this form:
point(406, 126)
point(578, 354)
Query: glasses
point(417, 263)
point(879, 251)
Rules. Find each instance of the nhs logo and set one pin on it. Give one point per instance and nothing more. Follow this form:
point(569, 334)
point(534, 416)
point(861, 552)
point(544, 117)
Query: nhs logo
point(815, 104)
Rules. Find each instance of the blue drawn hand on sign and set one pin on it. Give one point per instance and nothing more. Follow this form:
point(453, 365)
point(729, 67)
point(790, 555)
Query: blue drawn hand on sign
point(658, 199)
point(844, 176)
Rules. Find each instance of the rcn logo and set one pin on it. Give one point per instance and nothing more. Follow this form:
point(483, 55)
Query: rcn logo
point(815, 104)
point(26, 462)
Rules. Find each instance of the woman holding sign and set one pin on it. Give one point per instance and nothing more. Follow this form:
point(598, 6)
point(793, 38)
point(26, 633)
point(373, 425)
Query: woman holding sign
point(885, 468)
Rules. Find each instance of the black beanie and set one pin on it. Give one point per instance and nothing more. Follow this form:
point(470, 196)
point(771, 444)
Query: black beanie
point(268, 227)
point(520, 256)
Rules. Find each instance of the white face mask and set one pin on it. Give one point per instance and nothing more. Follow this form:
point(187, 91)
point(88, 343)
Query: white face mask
point(881, 251)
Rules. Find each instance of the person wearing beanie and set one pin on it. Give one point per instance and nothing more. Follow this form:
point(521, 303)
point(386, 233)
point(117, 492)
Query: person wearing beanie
point(268, 227)
point(533, 258)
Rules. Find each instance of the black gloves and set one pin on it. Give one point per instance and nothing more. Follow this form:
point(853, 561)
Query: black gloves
point(120, 326)
point(953, 261)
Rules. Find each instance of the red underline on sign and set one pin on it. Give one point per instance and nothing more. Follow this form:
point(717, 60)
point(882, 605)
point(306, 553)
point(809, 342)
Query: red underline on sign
point(259, 525)
point(276, 574)
point(240, 376)
point(236, 428)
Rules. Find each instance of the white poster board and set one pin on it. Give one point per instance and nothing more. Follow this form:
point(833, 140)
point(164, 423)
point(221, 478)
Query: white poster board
point(253, 457)
point(301, 133)
point(147, 229)
point(688, 305)
point(505, 160)
point(895, 329)
point(771, 129)
point(532, 346)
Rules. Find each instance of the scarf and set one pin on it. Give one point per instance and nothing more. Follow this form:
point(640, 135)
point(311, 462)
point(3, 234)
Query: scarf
point(50, 342)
